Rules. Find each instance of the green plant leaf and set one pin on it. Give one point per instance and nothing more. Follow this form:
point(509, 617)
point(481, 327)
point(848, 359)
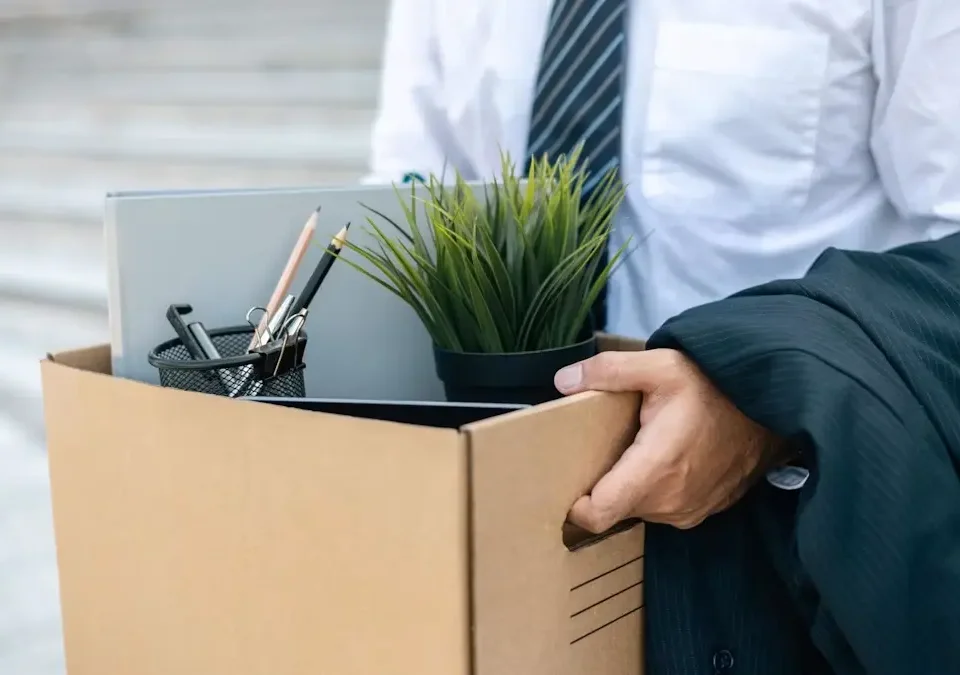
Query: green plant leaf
point(514, 267)
point(403, 232)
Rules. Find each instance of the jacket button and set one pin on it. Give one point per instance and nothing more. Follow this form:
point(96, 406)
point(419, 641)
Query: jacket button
point(723, 661)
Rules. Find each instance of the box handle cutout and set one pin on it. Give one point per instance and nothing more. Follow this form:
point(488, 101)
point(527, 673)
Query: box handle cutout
point(575, 538)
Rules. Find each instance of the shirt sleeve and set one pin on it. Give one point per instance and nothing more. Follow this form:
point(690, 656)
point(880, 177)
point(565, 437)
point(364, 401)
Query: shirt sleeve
point(916, 125)
point(401, 142)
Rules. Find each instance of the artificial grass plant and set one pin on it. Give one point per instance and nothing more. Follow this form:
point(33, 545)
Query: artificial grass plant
point(517, 271)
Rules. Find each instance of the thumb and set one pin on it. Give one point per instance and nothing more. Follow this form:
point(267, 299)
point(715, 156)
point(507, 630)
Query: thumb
point(618, 371)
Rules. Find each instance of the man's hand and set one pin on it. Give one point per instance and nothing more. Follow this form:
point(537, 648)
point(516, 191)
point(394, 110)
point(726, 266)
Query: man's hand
point(695, 454)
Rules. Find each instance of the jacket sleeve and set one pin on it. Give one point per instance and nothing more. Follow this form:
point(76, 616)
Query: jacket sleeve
point(916, 127)
point(859, 362)
point(401, 141)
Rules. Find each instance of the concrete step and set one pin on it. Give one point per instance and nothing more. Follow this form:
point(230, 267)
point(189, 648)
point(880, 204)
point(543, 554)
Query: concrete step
point(50, 262)
point(21, 398)
point(72, 189)
point(334, 140)
point(30, 634)
point(174, 14)
point(34, 647)
point(98, 175)
point(271, 113)
point(26, 198)
point(328, 46)
point(40, 328)
point(19, 460)
point(349, 87)
point(52, 10)
point(33, 330)
point(268, 114)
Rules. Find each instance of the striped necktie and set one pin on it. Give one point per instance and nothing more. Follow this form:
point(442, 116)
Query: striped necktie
point(579, 87)
point(579, 92)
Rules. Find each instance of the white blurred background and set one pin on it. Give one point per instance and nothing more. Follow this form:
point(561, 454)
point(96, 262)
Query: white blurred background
point(101, 95)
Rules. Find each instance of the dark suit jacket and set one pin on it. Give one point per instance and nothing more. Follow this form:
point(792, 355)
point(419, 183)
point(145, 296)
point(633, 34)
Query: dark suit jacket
point(859, 362)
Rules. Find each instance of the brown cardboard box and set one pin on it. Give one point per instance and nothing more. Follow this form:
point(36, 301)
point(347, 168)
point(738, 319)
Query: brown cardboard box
point(199, 534)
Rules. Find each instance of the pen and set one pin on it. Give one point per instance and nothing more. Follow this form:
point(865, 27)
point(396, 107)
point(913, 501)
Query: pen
point(320, 273)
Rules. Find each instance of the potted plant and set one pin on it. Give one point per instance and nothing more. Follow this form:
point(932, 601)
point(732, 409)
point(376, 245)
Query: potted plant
point(503, 284)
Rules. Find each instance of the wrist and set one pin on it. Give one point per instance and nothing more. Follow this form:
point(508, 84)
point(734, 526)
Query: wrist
point(787, 469)
point(782, 452)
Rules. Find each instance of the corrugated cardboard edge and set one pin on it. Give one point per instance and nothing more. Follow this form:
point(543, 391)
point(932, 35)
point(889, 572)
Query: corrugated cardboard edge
point(95, 359)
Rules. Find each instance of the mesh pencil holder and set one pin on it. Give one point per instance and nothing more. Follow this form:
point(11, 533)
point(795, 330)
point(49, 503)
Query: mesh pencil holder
point(272, 371)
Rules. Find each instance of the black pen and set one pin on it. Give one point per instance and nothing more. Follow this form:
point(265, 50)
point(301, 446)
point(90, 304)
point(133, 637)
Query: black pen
point(320, 273)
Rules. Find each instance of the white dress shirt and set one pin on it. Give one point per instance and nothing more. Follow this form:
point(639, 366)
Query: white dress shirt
point(755, 134)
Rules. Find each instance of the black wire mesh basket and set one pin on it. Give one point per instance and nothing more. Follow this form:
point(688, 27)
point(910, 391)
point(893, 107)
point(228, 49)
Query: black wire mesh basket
point(274, 370)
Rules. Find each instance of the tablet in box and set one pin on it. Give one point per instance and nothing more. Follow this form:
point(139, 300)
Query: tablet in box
point(199, 534)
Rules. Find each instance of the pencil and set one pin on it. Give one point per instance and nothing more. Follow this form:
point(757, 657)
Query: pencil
point(289, 272)
point(321, 271)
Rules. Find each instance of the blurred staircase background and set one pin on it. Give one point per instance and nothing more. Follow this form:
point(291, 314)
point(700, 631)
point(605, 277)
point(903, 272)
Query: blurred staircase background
point(103, 95)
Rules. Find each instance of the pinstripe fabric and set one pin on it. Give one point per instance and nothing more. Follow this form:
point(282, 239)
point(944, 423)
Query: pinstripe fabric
point(578, 97)
point(579, 85)
point(860, 361)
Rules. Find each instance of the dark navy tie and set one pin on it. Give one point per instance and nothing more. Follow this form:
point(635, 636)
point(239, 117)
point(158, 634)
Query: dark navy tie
point(579, 90)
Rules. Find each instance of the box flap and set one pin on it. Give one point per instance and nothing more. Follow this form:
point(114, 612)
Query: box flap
point(92, 359)
point(608, 342)
point(539, 607)
point(198, 534)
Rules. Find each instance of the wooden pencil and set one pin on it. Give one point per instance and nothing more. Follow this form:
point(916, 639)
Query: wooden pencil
point(289, 272)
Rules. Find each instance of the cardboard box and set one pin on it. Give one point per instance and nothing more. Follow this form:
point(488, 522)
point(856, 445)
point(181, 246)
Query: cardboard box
point(199, 534)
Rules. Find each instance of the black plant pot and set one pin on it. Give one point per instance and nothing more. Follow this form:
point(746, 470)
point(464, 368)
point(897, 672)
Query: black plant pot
point(518, 378)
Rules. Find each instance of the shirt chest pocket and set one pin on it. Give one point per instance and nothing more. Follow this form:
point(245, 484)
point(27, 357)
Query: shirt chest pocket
point(732, 120)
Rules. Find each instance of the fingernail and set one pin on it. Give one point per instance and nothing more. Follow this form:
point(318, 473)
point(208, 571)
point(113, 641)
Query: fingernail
point(568, 378)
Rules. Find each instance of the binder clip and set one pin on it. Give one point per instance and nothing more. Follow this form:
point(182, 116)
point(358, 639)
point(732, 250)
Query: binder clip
point(281, 356)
